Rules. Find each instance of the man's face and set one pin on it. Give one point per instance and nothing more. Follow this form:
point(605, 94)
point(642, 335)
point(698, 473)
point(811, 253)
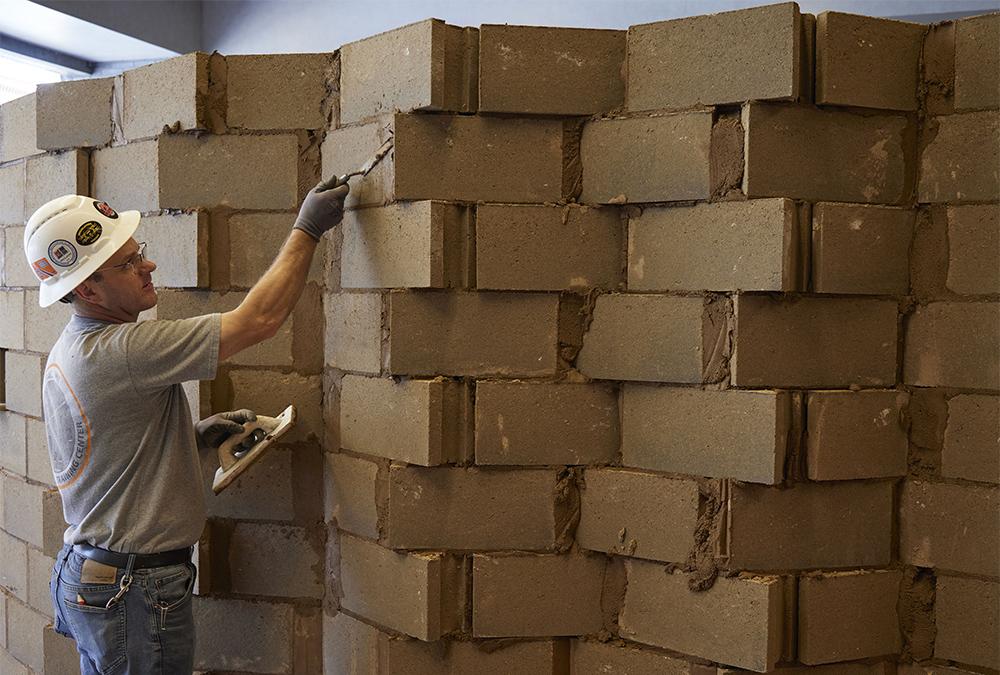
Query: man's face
point(126, 284)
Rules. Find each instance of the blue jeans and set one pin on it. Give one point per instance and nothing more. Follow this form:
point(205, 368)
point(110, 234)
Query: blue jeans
point(148, 631)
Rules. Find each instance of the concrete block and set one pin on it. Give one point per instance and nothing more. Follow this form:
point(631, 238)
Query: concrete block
point(608, 658)
point(266, 232)
point(351, 494)
point(967, 621)
point(13, 447)
point(25, 629)
point(349, 645)
point(165, 93)
point(810, 525)
point(346, 149)
point(976, 62)
point(848, 616)
point(354, 331)
point(18, 137)
point(536, 595)
point(178, 244)
point(263, 493)
point(489, 657)
point(296, 85)
point(12, 179)
point(243, 635)
point(550, 71)
point(971, 446)
point(253, 550)
point(814, 342)
point(719, 58)
point(13, 566)
point(738, 621)
point(544, 424)
point(646, 159)
point(33, 513)
point(973, 247)
point(269, 392)
point(807, 153)
point(417, 421)
point(547, 248)
point(724, 434)
point(74, 114)
point(23, 374)
point(953, 344)
point(39, 574)
point(16, 271)
point(509, 334)
point(856, 434)
point(861, 249)
point(8, 664)
point(61, 655)
point(956, 164)
point(42, 327)
point(127, 176)
point(655, 338)
point(54, 175)
point(39, 464)
point(472, 509)
point(11, 319)
point(752, 246)
point(3, 633)
point(949, 527)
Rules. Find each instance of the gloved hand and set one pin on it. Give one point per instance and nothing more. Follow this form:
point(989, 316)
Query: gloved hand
point(213, 431)
point(323, 208)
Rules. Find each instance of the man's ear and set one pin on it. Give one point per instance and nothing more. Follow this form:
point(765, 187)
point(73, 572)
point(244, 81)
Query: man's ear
point(86, 292)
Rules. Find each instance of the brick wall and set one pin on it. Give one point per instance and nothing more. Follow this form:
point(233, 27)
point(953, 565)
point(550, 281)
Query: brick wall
point(668, 350)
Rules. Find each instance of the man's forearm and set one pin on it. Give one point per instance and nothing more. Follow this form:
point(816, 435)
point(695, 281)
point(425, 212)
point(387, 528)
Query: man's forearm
point(274, 296)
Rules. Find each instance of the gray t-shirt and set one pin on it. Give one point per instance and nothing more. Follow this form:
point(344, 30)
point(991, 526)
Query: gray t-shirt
point(120, 434)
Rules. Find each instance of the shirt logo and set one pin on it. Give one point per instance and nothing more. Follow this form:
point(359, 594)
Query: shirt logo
point(67, 428)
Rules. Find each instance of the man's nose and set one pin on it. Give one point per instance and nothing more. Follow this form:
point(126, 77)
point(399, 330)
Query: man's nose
point(149, 264)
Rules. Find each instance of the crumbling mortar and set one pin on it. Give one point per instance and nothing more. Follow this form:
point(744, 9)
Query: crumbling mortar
point(567, 507)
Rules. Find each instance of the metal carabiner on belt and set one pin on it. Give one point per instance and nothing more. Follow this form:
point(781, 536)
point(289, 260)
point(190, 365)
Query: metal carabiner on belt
point(124, 584)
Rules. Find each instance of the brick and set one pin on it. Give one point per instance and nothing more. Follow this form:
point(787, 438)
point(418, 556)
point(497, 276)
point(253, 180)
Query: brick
point(428, 65)
point(409, 245)
point(415, 421)
point(354, 331)
point(165, 93)
point(544, 424)
point(18, 137)
point(346, 149)
point(33, 513)
point(971, 447)
point(12, 442)
point(604, 658)
point(738, 621)
point(973, 247)
point(23, 374)
point(536, 595)
point(268, 393)
point(956, 164)
point(13, 566)
point(178, 244)
point(268, 231)
point(731, 434)
point(16, 271)
point(54, 175)
point(3, 622)
point(856, 434)
point(655, 338)
point(11, 666)
point(807, 153)
point(126, 176)
point(420, 595)
point(630, 157)
point(810, 526)
point(637, 514)
point(74, 114)
point(718, 58)
point(12, 179)
point(975, 59)
point(953, 345)
point(12, 319)
point(950, 527)
point(351, 491)
point(472, 509)
point(42, 327)
point(263, 493)
point(39, 575)
point(253, 548)
point(295, 83)
point(916, 669)
point(350, 646)
point(547, 247)
point(25, 628)
point(814, 342)
point(243, 635)
point(967, 621)
point(509, 334)
point(867, 62)
point(61, 655)
point(861, 249)
point(751, 245)
point(850, 616)
point(550, 71)
point(39, 464)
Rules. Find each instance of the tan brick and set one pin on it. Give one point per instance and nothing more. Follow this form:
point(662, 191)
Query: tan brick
point(605, 658)
point(807, 153)
point(18, 137)
point(243, 635)
point(12, 442)
point(489, 657)
point(814, 342)
point(351, 490)
point(472, 509)
point(295, 85)
point(420, 595)
point(542, 424)
point(536, 595)
point(856, 434)
point(973, 247)
point(347, 149)
point(39, 464)
point(268, 393)
point(718, 58)
point(165, 93)
point(23, 373)
point(42, 327)
point(730, 434)
point(12, 179)
point(39, 575)
point(951, 344)
point(33, 513)
point(13, 566)
point(127, 177)
point(12, 319)
point(976, 61)
point(428, 65)
point(810, 526)
point(74, 114)
point(956, 165)
point(354, 331)
point(253, 549)
point(350, 646)
point(178, 244)
point(630, 157)
point(550, 71)
point(950, 527)
point(638, 514)
point(3, 633)
point(655, 338)
point(54, 175)
point(25, 628)
point(265, 492)
point(967, 621)
point(738, 621)
point(10, 665)
point(861, 249)
point(61, 655)
point(971, 446)
point(16, 271)
point(267, 232)
point(509, 334)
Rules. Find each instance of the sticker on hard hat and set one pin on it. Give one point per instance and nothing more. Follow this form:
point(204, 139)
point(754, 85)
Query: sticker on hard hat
point(105, 209)
point(62, 253)
point(43, 269)
point(88, 233)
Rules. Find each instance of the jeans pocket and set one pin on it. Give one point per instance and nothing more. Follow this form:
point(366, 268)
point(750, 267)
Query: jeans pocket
point(99, 631)
point(170, 592)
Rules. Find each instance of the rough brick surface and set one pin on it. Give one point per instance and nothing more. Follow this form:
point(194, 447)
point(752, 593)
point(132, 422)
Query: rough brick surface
point(163, 94)
point(15, 268)
point(275, 560)
point(39, 574)
point(74, 114)
point(126, 176)
point(12, 179)
point(956, 165)
point(55, 175)
point(604, 658)
point(13, 566)
point(12, 320)
point(23, 375)
point(17, 129)
point(12, 442)
point(350, 493)
point(976, 62)
point(353, 332)
point(347, 149)
point(33, 513)
point(178, 244)
point(24, 635)
point(953, 345)
point(271, 392)
point(967, 621)
point(971, 446)
point(267, 232)
point(295, 85)
point(973, 247)
point(243, 635)
point(43, 326)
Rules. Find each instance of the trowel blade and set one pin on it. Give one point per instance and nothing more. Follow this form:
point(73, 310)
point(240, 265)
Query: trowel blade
point(376, 158)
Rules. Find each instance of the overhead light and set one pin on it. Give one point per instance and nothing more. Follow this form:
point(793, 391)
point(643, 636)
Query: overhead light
point(19, 76)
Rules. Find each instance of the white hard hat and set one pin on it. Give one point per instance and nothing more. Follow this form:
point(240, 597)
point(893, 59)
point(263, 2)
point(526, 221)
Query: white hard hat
point(68, 238)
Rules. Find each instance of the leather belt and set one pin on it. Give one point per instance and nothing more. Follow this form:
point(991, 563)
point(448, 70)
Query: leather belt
point(142, 560)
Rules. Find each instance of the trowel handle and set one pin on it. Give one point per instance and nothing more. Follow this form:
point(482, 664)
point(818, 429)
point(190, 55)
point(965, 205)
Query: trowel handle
point(227, 451)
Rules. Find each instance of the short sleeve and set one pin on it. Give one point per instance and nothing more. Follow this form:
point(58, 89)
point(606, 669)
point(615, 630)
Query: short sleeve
point(161, 353)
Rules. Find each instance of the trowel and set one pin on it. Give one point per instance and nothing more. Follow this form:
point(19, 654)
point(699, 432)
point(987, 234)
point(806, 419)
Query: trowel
point(367, 167)
point(235, 456)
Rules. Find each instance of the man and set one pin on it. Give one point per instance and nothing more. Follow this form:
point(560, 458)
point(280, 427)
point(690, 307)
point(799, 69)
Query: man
point(123, 447)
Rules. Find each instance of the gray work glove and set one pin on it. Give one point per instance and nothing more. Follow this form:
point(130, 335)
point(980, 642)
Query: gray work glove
point(323, 208)
point(213, 431)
